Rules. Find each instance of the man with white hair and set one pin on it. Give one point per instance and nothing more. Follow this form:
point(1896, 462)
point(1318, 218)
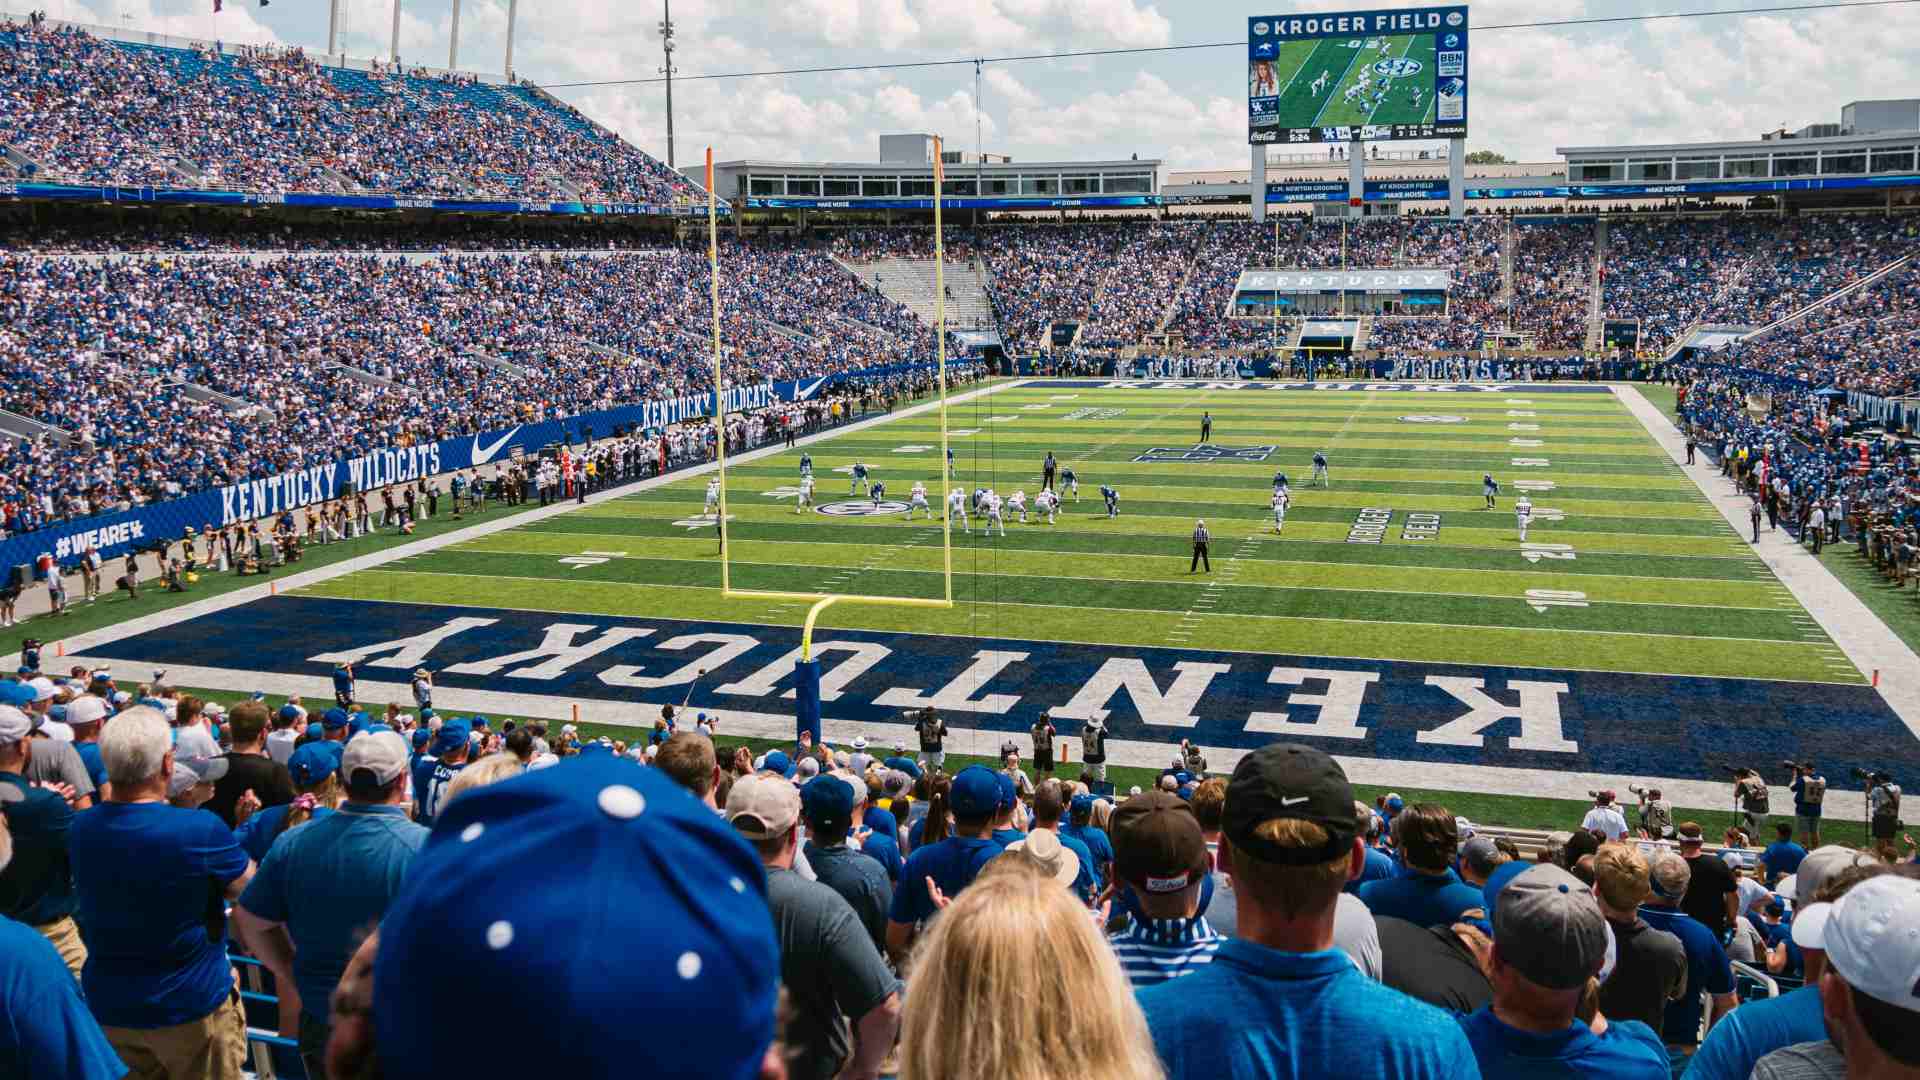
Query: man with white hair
point(324, 883)
point(147, 874)
point(1708, 971)
point(48, 1028)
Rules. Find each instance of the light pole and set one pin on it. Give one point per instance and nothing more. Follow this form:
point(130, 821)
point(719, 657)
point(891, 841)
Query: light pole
point(666, 49)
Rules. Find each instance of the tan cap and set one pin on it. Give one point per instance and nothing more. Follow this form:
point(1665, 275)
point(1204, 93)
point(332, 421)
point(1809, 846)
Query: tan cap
point(763, 807)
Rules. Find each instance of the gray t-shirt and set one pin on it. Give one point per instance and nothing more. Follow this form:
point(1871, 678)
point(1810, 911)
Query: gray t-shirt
point(1803, 1061)
point(1354, 931)
point(833, 973)
point(56, 762)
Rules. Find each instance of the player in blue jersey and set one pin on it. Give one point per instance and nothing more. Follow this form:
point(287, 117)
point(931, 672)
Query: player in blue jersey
point(1280, 485)
point(859, 477)
point(878, 491)
point(1320, 468)
point(949, 462)
point(1071, 481)
point(806, 464)
point(1488, 488)
point(1113, 500)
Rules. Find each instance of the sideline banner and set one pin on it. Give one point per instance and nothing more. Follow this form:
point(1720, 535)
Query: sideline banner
point(139, 529)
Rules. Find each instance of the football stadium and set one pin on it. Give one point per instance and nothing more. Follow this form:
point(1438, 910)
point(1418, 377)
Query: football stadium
point(1384, 610)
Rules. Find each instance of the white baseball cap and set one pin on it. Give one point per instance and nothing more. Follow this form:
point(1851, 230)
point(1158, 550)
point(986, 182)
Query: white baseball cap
point(1872, 939)
point(86, 709)
point(43, 689)
point(14, 726)
point(384, 753)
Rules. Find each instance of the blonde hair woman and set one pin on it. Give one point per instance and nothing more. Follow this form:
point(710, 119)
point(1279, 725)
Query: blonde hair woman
point(974, 1006)
point(1103, 815)
point(488, 770)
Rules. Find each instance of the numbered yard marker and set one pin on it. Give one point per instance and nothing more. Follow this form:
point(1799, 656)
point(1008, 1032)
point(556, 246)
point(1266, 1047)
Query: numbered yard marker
point(1041, 405)
point(1534, 485)
point(959, 432)
point(578, 561)
point(911, 448)
point(1542, 599)
point(1531, 463)
point(1533, 553)
point(1526, 442)
point(1548, 513)
point(1063, 397)
point(1523, 427)
point(1521, 412)
point(781, 493)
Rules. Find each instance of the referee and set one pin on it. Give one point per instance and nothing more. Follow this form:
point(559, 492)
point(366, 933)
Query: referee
point(1200, 538)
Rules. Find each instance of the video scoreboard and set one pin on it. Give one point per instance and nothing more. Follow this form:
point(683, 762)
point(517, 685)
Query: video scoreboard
point(1373, 75)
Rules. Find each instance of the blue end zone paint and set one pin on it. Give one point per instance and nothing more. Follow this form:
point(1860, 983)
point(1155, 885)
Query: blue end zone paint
point(1629, 725)
point(1370, 387)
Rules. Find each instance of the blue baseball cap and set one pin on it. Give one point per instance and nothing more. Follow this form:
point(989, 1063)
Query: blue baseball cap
point(314, 731)
point(904, 764)
point(777, 761)
point(289, 712)
point(359, 722)
point(452, 735)
point(17, 693)
point(427, 714)
point(1498, 880)
point(1009, 793)
point(827, 801)
point(671, 882)
point(421, 737)
point(312, 763)
point(976, 792)
point(334, 718)
point(1081, 805)
point(478, 721)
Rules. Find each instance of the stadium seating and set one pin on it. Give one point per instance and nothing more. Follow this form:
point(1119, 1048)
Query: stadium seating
point(88, 110)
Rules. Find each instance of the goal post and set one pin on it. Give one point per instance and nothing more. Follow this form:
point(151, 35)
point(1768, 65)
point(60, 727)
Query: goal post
point(807, 671)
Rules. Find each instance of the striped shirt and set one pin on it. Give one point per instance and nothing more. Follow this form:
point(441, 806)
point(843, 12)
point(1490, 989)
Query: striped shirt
point(1151, 951)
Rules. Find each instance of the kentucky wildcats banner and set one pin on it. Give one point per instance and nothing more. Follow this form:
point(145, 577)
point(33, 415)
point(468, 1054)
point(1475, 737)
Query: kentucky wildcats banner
point(142, 528)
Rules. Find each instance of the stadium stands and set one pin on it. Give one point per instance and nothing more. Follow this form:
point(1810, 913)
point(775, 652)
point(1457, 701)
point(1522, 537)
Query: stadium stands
point(82, 109)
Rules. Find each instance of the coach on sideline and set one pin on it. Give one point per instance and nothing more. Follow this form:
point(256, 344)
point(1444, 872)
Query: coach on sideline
point(1200, 538)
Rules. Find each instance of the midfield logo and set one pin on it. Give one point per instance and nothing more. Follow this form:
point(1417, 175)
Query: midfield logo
point(863, 508)
point(1207, 452)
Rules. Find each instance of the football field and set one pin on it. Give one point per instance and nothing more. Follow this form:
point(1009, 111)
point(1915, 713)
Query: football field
point(1394, 618)
point(1328, 82)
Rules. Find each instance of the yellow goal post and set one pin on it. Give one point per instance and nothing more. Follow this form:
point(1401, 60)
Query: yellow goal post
point(821, 601)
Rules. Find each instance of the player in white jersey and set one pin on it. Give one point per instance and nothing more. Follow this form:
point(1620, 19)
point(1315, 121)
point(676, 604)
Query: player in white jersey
point(1048, 503)
point(713, 495)
point(805, 498)
point(1017, 503)
point(957, 508)
point(1523, 515)
point(1281, 500)
point(917, 500)
point(993, 514)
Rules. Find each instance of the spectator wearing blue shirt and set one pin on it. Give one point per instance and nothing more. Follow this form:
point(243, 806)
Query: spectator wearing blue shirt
point(45, 1029)
point(1430, 893)
point(1080, 826)
point(148, 874)
point(1280, 1000)
point(1164, 865)
point(84, 715)
point(1708, 970)
point(880, 840)
point(451, 745)
point(1738, 1042)
point(946, 866)
point(37, 887)
point(325, 885)
point(1782, 857)
point(1550, 941)
point(343, 686)
point(1380, 865)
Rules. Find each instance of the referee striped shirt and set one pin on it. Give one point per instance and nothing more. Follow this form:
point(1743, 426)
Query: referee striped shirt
point(1151, 951)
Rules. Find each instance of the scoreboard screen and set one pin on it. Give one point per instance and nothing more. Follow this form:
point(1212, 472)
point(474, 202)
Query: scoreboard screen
point(1374, 75)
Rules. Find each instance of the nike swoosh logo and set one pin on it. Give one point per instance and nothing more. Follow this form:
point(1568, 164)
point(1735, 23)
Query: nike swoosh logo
point(802, 393)
point(482, 455)
point(1295, 801)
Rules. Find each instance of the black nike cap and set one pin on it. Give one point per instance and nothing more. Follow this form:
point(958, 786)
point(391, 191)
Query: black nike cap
point(1289, 780)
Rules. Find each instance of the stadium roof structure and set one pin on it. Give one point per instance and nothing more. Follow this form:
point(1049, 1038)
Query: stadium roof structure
point(897, 185)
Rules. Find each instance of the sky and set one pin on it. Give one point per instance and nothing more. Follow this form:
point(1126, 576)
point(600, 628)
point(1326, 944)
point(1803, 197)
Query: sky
point(1726, 77)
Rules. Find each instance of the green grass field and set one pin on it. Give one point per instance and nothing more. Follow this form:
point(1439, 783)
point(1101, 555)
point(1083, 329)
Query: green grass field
point(1305, 101)
point(1628, 568)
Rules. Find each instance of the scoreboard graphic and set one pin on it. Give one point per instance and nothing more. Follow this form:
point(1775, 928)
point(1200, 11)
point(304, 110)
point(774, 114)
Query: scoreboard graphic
point(1373, 75)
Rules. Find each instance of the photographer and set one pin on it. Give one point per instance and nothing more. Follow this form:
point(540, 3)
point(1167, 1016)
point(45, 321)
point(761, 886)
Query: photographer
point(1751, 793)
point(1883, 800)
point(1656, 813)
point(1809, 792)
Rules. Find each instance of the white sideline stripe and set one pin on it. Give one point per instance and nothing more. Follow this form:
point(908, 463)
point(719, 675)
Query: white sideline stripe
point(1854, 628)
point(741, 723)
point(160, 620)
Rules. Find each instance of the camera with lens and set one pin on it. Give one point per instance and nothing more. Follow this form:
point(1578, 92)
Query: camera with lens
point(1797, 766)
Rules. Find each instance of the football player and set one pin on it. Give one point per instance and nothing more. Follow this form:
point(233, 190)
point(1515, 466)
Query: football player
point(859, 477)
point(1523, 515)
point(917, 500)
point(878, 490)
point(1071, 481)
point(806, 464)
point(1281, 500)
point(805, 498)
point(1113, 500)
point(1320, 468)
point(1017, 503)
point(993, 514)
point(1047, 503)
point(1488, 488)
point(957, 508)
point(713, 494)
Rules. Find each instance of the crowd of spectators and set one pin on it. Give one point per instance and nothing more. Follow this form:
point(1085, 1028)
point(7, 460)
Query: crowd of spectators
point(322, 357)
point(89, 110)
point(835, 910)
